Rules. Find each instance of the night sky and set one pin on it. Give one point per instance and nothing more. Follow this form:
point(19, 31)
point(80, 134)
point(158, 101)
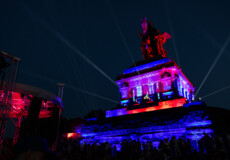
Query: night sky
point(54, 38)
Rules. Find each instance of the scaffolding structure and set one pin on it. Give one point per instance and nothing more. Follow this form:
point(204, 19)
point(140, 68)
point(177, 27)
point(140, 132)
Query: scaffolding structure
point(17, 127)
point(8, 88)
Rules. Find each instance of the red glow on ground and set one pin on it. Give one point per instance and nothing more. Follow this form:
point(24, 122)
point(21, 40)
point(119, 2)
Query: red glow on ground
point(149, 102)
point(73, 135)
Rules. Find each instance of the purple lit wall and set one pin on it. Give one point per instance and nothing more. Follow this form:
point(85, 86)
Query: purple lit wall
point(191, 125)
point(165, 83)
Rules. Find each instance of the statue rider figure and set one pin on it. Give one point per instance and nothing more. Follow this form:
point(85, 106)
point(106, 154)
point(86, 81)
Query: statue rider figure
point(152, 40)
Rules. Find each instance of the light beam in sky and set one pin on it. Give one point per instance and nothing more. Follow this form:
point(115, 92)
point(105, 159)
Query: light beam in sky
point(70, 45)
point(90, 93)
point(171, 31)
point(215, 92)
point(67, 85)
point(213, 64)
point(120, 31)
point(209, 37)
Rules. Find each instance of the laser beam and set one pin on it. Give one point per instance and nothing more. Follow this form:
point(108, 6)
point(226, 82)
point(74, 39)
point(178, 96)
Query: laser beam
point(67, 85)
point(209, 37)
point(217, 91)
point(121, 33)
point(213, 64)
point(90, 93)
point(70, 45)
point(171, 30)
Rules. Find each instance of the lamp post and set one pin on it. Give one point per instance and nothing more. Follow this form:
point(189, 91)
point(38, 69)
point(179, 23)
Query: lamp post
point(60, 94)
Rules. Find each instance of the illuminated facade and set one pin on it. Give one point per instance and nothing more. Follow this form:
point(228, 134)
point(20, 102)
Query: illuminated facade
point(155, 85)
point(157, 101)
point(189, 123)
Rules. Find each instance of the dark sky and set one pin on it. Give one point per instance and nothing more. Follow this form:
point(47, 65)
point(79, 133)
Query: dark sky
point(48, 34)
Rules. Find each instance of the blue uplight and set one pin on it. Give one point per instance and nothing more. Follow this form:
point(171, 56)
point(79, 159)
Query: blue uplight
point(201, 123)
point(191, 126)
point(91, 119)
point(88, 134)
point(146, 66)
point(170, 93)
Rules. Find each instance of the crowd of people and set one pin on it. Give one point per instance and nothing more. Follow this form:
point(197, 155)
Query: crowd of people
point(209, 147)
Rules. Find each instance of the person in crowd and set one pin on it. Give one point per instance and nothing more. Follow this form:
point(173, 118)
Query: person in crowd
point(36, 148)
point(33, 148)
